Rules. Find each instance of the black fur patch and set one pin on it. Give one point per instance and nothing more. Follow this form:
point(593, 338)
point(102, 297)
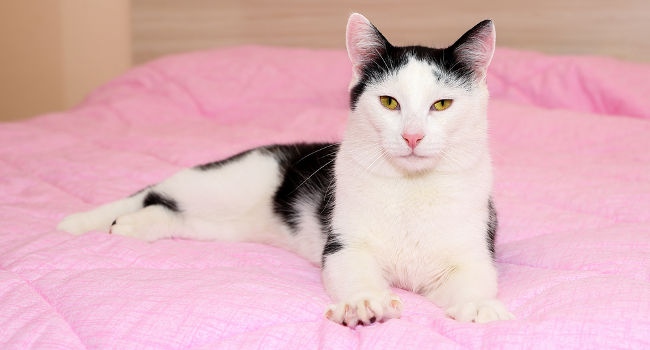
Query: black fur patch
point(220, 163)
point(332, 245)
point(325, 214)
point(493, 224)
point(307, 172)
point(391, 58)
point(156, 198)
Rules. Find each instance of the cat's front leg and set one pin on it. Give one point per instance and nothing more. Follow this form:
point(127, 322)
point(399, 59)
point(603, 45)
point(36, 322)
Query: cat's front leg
point(468, 293)
point(360, 293)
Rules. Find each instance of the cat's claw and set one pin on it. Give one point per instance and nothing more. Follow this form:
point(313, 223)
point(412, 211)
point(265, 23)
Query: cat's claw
point(480, 311)
point(365, 310)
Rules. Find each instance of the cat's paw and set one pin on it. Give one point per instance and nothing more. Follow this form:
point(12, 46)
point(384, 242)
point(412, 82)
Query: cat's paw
point(480, 311)
point(136, 225)
point(148, 224)
point(79, 223)
point(365, 309)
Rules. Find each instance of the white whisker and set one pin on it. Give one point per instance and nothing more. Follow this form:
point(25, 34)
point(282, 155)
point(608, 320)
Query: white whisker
point(316, 151)
point(310, 176)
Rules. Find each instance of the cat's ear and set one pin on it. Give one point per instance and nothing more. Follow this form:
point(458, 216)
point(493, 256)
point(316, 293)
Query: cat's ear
point(476, 47)
point(363, 41)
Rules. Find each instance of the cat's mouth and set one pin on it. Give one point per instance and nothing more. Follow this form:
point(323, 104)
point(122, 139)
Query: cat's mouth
point(413, 156)
point(413, 162)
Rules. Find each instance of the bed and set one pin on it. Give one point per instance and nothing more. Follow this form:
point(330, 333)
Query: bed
point(571, 144)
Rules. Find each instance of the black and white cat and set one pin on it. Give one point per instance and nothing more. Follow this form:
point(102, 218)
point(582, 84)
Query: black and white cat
point(403, 200)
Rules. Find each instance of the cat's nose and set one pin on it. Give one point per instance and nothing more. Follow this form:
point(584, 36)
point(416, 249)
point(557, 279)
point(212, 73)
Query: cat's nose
point(412, 139)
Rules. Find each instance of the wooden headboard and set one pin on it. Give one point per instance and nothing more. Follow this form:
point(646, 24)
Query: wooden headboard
point(601, 27)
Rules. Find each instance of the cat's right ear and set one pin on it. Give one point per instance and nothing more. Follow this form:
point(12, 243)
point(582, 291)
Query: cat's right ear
point(363, 41)
point(476, 47)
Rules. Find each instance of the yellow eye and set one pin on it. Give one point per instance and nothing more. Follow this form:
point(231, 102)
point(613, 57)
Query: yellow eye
point(389, 102)
point(441, 105)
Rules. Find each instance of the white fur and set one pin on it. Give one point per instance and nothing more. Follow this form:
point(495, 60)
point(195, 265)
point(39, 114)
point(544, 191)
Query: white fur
point(420, 223)
point(232, 203)
point(414, 219)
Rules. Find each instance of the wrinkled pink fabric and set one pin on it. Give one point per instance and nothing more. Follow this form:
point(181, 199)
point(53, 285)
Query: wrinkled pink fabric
point(571, 144)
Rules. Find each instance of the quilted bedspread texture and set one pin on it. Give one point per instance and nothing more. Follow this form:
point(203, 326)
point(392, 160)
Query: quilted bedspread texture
point(570, 138)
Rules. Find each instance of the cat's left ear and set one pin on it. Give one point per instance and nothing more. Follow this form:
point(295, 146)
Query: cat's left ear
point(476, 47)
point(363, 41)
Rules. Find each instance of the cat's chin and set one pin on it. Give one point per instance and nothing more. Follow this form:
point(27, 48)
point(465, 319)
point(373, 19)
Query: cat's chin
point(413, 163)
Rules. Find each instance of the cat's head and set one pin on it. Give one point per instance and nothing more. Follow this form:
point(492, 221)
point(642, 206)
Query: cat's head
point(414, 106)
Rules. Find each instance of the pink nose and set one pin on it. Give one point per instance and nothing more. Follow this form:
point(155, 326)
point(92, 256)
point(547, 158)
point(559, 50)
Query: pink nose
point(412, 139)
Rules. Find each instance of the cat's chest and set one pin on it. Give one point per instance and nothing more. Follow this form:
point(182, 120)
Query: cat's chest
point(411, 207)
point(413, 233)
point(413, 256)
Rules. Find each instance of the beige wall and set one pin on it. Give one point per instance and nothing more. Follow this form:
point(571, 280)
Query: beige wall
point(53, 52)
point(30, 60)
point(604, 27)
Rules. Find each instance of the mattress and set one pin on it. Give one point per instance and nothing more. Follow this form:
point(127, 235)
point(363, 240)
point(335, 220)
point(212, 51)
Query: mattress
point(570, 138)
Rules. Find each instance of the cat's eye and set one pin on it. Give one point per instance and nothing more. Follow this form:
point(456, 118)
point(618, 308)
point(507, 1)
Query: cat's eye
point(441, 105)
point(389, 102)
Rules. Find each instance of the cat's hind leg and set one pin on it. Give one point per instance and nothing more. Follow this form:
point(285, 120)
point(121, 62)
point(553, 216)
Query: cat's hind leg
point(228, 200)
point(148, 215)
point(100, 218)
point(149, 223)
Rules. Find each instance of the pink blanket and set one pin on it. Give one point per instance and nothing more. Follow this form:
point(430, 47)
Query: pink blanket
point(571, 145)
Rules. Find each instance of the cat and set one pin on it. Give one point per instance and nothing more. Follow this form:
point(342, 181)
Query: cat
point(404, 200)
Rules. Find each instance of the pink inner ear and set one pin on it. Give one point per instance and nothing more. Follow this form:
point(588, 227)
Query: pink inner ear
point(479, 48)
point(486, 45)
point(361, 40)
